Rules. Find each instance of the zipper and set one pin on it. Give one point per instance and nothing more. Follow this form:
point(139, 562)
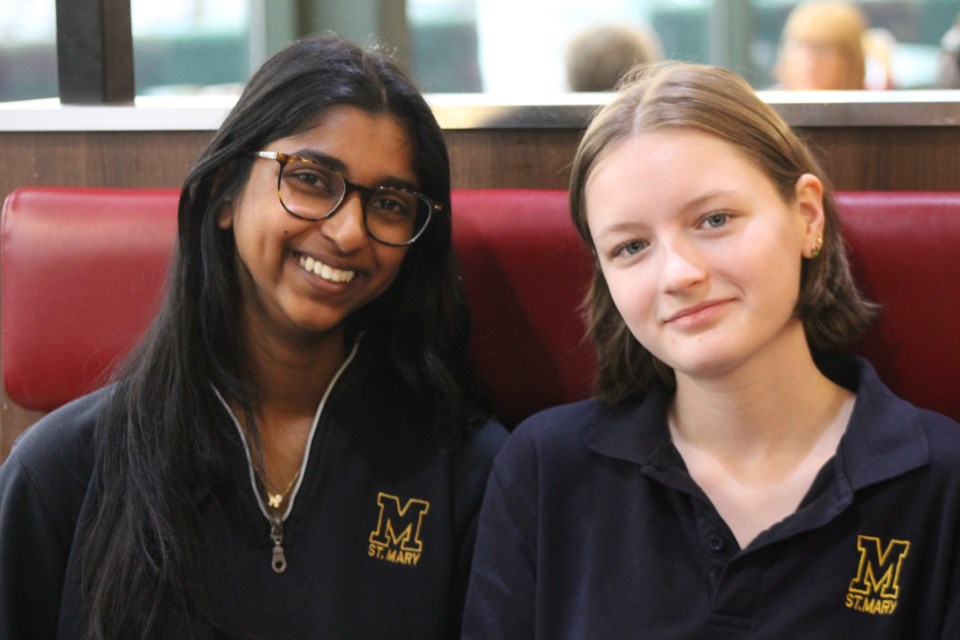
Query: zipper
point(278, 559)
point(279, 562)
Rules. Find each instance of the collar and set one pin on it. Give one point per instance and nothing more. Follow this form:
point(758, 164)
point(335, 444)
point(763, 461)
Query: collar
point(884, 438)
point(251, 468)
point(634, 431)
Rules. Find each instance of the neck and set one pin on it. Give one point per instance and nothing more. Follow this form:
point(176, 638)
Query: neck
point(290, 377)
point(778, 409)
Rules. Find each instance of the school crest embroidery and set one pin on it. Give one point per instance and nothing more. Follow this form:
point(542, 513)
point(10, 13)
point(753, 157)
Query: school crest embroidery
point(397, 536)
point(876, 588)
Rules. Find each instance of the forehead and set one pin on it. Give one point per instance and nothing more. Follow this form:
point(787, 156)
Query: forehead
point(666, 152)
point(363, 141)
point(668, 170)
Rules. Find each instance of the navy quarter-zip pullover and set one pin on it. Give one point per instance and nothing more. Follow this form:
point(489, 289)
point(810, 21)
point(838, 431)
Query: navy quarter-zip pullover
point(377, 541)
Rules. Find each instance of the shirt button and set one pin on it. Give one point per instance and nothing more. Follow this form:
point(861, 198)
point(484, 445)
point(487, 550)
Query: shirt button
point(715, 543)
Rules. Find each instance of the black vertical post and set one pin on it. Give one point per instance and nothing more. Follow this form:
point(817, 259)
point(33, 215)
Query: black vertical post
point(95, 51)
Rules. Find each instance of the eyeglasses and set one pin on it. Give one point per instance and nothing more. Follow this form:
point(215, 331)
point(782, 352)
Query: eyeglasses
point(309, 190)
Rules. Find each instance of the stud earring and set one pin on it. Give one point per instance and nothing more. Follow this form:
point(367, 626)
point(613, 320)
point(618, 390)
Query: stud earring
point(817, 247)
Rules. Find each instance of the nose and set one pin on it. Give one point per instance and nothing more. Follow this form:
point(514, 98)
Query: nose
point(683, 266)
point(345, 227)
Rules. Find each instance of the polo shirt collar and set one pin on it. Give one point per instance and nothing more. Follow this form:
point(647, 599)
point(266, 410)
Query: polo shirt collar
point(634, 431)
point(884, 438)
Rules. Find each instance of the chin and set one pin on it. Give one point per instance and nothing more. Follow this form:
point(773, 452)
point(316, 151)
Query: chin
point(703, 365)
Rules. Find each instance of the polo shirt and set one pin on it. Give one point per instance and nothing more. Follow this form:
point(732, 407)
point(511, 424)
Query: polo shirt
point(593, 528)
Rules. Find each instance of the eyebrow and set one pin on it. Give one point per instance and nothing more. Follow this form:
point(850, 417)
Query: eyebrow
point(338, 165)
point(688, 206)
point(699, 201)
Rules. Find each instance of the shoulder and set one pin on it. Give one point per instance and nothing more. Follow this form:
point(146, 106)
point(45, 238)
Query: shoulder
point(482, 441)
point(888, 434)
point(566, 442)
point(58, 449)
point(554, 434)
point(476, 450)
point(593, 424)
point(943, 435)
point(884, 406)
point(46, 478)
point(561, 423)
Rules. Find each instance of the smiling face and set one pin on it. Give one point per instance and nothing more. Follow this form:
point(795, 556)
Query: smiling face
point(303, 278)
point(700, 253)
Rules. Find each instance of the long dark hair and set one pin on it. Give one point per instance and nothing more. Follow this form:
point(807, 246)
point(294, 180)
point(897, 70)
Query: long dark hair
point(715, 101)
point(162, 432)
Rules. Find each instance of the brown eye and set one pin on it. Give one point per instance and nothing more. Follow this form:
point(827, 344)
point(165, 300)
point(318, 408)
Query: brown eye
point(312, 177)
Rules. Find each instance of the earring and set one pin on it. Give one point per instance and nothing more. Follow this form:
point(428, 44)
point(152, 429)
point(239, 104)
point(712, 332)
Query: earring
point(817, 247)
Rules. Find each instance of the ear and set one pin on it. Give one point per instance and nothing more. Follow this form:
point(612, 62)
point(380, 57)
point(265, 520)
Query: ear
point(809, 203)
point(225, 218)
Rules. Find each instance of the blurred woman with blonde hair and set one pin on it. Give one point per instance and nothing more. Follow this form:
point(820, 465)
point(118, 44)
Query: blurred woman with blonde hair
point(822, 47)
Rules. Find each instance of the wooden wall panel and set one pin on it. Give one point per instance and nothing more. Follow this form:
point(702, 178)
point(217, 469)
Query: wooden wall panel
point(97, 159)
point(512, 158)
point(855, 158)
point(888, 158)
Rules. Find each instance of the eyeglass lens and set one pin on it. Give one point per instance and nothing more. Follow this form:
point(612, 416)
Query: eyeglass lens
point(312, 191)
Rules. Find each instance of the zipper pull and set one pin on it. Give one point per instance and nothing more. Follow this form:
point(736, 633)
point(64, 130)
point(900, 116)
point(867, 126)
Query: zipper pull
point(279, 561)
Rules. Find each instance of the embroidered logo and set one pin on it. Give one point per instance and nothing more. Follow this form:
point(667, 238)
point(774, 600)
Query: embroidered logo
point(397, 536)
point(877, 586)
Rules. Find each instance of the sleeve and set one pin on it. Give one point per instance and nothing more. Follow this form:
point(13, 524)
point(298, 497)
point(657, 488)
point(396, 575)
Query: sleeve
point(501, 596)
point(33, 557)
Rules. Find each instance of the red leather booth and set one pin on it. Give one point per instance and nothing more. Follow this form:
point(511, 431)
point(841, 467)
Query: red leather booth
point(82, 270)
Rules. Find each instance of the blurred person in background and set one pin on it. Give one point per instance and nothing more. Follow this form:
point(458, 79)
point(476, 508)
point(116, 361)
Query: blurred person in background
point(597, 57)
point(822, 47)
point(948, 76)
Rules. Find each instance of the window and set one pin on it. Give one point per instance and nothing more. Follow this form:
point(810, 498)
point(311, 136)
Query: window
point(514, 47)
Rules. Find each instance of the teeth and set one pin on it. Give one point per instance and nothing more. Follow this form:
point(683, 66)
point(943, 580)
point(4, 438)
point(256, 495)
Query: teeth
point(325, 271)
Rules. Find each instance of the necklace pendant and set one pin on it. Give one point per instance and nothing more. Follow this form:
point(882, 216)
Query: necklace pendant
point(274, 499)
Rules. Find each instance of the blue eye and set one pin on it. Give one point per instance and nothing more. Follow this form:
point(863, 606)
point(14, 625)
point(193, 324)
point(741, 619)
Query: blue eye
point(716, 220)
point(631, 248)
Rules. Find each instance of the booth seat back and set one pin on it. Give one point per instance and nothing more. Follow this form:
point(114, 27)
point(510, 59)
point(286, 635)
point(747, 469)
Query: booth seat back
point(82, 272)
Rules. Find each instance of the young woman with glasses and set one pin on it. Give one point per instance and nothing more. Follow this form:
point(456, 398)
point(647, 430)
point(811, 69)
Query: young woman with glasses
point(299, 446)
point(737, 475)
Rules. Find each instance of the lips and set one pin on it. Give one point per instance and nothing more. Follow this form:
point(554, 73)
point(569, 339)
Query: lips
point(325, 271)
point(696, 312)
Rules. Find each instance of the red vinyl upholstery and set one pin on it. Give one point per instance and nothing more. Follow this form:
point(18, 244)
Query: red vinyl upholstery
point(80, 278)
point(905, 250)
point(525, 270)
point(82, 270)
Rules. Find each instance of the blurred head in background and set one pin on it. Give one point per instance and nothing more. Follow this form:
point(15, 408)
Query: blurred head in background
point(599, 56)
point(822, 47)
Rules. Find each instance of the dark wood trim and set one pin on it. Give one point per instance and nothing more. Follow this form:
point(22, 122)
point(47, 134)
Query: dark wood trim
point(95, 52)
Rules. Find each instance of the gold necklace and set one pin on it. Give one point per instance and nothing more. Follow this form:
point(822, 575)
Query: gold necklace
point(276, 499)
